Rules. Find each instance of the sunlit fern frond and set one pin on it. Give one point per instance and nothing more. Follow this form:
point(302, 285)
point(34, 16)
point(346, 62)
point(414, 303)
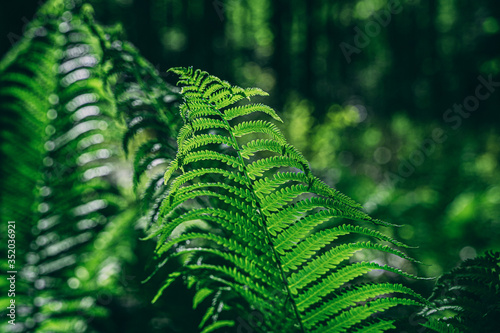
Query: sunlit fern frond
point(281, 243)
point(467, 299)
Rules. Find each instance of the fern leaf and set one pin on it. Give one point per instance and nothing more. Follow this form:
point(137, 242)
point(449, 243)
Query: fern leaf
point(349, 298)
point(65, 161)
point(376, 327)
point(351, 317)
point(466, 296)
point(257, 168)
point(292, 235)
point(324, 263)
point(259, 126)
point(268, 212)
point(218, 324)
point(239, 111)
point(338, 278)
point(441, 327)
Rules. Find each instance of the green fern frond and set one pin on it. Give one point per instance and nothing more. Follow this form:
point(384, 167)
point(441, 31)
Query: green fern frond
point(202, 140)
point(60, 166)
point(320, 265)
point(239, 111)
point(467, 297)
point(267, 211)
point(376, 327)
point(356, 315)
point(148, 106)
point(257, 168)
point(218, 324)
point(338, 278)
point(440, 326)
point(259, 126)
point(351, 297)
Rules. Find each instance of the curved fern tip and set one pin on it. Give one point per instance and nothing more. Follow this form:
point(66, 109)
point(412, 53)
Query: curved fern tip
point(177, 70)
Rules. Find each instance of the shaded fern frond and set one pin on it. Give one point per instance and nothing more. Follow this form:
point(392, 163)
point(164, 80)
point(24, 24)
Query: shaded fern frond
point(280, 240)
point(467, 297)
point(148, 106)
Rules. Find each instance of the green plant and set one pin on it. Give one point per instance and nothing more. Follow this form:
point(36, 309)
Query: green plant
point(61, 161)
point(283, 238)
point(466, 297)
point(52, 85)
point(241, 219)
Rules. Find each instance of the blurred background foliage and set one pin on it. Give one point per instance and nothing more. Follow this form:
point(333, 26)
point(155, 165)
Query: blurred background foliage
point(368, 109)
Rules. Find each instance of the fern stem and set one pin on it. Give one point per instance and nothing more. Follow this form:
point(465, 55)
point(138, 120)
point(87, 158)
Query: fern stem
point(263, 219)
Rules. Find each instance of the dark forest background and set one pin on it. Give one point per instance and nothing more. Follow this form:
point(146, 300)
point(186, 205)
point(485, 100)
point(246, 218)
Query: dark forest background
point(395, 103)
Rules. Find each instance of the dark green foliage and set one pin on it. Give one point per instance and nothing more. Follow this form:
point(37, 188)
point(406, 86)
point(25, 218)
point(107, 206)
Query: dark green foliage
point(467, 298)
point(148, 106)
point(57, 93)
point(59, 174)
point(262, 227)
point(24, 86)
point(65, 88)
point(24, 105)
